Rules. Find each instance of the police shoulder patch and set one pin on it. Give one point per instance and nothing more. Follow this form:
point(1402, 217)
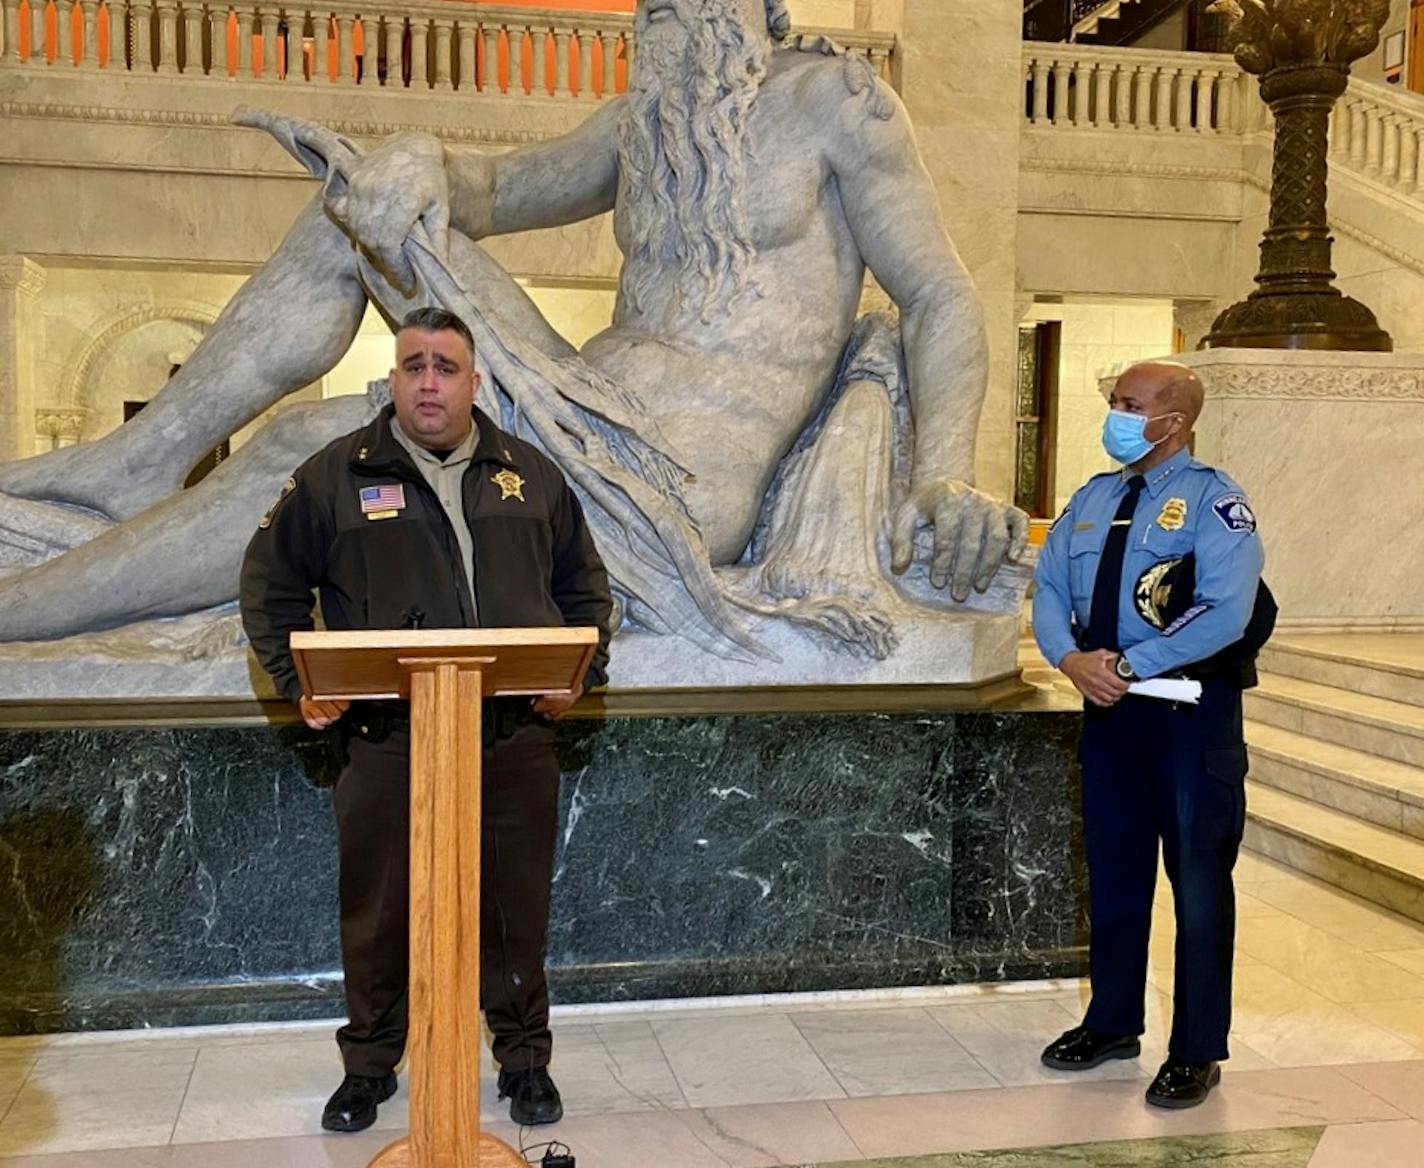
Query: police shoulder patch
point(287, 488)
point(1235, 513)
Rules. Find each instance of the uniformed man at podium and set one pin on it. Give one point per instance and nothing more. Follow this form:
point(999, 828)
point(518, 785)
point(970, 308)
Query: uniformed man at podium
point(433, 517)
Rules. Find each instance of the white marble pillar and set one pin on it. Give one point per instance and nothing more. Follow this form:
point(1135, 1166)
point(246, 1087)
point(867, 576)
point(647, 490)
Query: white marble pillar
point(1325, 445)
point(21, 281)
point(962, 82)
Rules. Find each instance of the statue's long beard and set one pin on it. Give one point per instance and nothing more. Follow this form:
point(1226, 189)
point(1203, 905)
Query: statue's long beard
point(683, 157)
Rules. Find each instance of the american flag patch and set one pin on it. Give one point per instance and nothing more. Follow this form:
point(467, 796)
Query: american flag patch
point(386, 497)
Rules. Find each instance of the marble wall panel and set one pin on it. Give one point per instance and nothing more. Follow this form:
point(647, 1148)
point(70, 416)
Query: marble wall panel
point(164, 876)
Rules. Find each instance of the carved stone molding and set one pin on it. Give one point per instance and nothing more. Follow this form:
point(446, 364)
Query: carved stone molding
point(56, 111)
point(1294, 383)
point(21, 275)
point(1135, 169)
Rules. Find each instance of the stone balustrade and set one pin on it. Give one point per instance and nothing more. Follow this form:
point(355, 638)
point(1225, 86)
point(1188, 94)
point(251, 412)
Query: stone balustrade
point(437, 45)
point(1379, 133)
point(1086, 87)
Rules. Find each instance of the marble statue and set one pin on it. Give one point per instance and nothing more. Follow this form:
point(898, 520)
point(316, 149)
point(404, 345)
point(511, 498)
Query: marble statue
point(782, 492)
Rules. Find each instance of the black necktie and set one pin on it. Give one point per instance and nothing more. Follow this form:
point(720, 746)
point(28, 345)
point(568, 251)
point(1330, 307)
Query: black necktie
point(1107, 587)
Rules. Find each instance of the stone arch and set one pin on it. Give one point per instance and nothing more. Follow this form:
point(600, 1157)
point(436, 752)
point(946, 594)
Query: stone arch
point(76, 383)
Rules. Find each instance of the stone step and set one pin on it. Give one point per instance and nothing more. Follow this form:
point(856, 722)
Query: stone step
point(1389, 729)
point(1374, 863)
point(1383, 792)
point(1383, 665)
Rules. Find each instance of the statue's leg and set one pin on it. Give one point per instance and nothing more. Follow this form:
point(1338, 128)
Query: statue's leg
point(181, 555)
point(285, 328)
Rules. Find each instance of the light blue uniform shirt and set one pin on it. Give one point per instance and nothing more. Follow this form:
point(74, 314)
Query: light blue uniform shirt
point(1185, 507)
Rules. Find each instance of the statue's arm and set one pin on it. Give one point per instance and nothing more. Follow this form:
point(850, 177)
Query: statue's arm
point(571, 178)
point(890, 203)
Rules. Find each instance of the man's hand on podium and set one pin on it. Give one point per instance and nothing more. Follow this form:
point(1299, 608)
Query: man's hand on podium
point(556, 705)
point(320, 715)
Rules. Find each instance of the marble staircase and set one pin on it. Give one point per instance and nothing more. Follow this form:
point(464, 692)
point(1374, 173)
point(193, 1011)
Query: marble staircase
point(1336, 791)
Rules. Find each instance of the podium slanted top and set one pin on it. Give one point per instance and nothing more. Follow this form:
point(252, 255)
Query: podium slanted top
point(375, 663)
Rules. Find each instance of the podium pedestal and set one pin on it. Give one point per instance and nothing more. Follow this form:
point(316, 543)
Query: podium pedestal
point(446, 674)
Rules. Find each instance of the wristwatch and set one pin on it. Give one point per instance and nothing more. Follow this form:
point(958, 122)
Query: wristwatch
point(1123, 668)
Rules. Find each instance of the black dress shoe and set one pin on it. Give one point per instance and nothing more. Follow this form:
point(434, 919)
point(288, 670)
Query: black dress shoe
point(533, 1098)
point(1080, 1049)
point(1180, 1084)
point(353, 1107)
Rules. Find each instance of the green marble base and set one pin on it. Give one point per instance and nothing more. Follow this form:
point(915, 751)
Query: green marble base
point(1286, 1148)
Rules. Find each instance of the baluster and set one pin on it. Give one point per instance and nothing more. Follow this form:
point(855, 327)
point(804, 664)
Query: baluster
point(1357, 134)
point(562, 39)
point(1339, 126)
point(1081, 72)
point(467, 33)
point(38, 55)
point(64, 26)
point(142, 34)
point(1122, 96)
point(443, 30)
point(1182, 112)
point(1101, 88)
point(419, 53)
point(1408, 157)
point(394, 28)
point(879, 62)
point(168, 36)
point(89, 42)
point(1226, 103)
point(1202, 86)
point(539, 83)
point(1039, 70)
point(491, 79)
point(586, 41)
point(1162, 107)
point(1374, 140)
point(89, 35)
point(1389, 155)
point(630, 53)
point(246, 19)
point(12, 30)
point(270, 22)
point(1060, 93)
point(118, 35)
point(296, 37)
point(192, 37)
point(610, 64)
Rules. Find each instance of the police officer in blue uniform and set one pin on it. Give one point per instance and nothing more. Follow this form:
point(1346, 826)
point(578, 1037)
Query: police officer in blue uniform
point(1155, 769)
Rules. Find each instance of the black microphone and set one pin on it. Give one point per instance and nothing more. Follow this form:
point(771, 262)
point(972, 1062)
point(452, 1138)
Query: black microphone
point(413, 617)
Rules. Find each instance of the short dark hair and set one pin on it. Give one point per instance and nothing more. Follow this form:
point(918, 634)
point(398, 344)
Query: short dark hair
point(437, 320)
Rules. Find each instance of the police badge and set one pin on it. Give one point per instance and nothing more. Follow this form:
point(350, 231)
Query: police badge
point(1174, 515)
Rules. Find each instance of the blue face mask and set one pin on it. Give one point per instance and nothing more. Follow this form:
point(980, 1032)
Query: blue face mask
point(1125, 436)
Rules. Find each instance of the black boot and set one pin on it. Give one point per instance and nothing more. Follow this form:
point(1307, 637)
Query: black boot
point(353, 1107)
point(533, 1098)
point(1181, 1084)
point(1080, 1049)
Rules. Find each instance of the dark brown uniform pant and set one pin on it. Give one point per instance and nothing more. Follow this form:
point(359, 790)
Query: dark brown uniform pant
point(520, 810)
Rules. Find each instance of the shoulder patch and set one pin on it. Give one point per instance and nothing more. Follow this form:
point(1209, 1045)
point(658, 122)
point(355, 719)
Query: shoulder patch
point(1235, 513)
point(287, 488)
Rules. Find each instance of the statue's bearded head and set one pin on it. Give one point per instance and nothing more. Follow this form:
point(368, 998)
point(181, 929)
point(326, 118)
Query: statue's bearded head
point(683, 149)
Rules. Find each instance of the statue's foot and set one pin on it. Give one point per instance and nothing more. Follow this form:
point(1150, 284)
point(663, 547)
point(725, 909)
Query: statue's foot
point(89, 476)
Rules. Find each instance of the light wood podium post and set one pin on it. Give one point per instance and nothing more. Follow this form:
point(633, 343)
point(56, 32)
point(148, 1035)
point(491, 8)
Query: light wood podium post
point(445, 674)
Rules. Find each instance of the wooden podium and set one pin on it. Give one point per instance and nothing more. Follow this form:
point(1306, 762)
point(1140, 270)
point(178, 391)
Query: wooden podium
point(445, 674)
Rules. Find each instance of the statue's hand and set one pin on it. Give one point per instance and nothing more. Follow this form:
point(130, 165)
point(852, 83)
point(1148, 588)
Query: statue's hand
point(974, 534)
point(380, 197)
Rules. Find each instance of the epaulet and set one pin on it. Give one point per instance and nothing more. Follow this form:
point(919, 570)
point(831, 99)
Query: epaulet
point(857, 72)
point(1226, 481)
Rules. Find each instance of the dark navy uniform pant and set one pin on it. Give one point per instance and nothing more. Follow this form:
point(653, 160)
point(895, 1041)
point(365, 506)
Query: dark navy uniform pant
point(1155, 770)
point(520, 820)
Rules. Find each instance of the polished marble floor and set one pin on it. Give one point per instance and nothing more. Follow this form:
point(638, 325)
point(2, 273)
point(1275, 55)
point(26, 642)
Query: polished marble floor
point(1328, 1049)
